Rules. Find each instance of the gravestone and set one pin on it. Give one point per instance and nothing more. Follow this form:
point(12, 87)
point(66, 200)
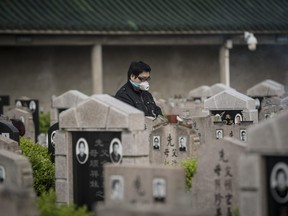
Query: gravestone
point(64, 101)
point(172, 143)
point(26, 117)
point(153, 185)
point(9, 144)
point(201, 93)
point(219, 87)
point(268, 94)
point(263, 176)
point(17, 194)
point(51, 143)
point(99, 130)
point(214, 186)
point(33, 106)
point(8, 130)
point(4, 101)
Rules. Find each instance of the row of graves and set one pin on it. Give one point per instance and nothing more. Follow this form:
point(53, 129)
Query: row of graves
point(111, 158)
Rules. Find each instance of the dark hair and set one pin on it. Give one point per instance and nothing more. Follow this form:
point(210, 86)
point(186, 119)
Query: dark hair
point(115, 143)
point(137, 67)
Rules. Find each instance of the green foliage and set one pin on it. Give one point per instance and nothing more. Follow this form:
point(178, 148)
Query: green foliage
point(44, 122)
point(236, 212)
point(190, 167)
point(43, 168)
point(47, 206)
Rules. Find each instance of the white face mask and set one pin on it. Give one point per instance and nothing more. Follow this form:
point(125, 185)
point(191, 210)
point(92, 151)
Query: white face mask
point(144, 86)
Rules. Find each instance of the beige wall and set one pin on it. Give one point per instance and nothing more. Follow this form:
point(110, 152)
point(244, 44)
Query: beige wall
point(40, 72)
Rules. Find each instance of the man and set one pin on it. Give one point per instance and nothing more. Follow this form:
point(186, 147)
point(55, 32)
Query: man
point(243, 135)
point(115, 155)
point(82, 155)
point(135, 91)
point(182, 144)
point(156, 143)
point(159, 190)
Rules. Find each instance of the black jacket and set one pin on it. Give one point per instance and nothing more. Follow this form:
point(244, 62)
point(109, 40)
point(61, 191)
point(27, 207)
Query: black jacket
point(141, 100)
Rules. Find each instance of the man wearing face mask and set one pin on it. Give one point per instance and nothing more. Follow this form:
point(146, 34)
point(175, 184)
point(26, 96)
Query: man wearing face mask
point(135, 91)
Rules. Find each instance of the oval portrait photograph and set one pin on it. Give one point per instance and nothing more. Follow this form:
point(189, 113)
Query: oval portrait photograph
point(82, 151)
point(115, 151)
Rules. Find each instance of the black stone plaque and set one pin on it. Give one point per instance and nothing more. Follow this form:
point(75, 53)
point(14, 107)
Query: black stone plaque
point(4, 101)
point(91, 150)
point(8, 130)
point(33, 106)
point(228, 117)
point(277, 185)
point(51, 145)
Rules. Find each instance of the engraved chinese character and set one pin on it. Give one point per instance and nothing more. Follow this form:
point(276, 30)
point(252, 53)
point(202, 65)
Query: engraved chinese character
point(99, 194)
point(222, 156)
point(94, 163)
point(94, 173)
point(229, 212)
point(217, 169)
point(93, 153)
point(218, 212)
point(138, 186)
point(217, 184)
point(94, 184)
point(169, 139)
point(166, 152)
point(228, 184)
point(231, 134)
point(228, 171)
point(218, 199)
point(99, 143)
point(174, 153)
point(104, 153)
point(228, 199)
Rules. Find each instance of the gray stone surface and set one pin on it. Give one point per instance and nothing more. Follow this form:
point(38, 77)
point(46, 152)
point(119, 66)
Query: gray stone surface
point(26, 117)
point(250, 204)
point(216, 178)
point(9, 144)
point(102, 112)
point(138, 184)
point(68, 99)
point(266, 88)
point(229, 100)
point(18, 171)
point(202, 92)
point(135, 143)
point(219, 87)
point(270, 136)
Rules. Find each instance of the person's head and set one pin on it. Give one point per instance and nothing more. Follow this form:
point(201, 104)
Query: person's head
point(156, 141)
point(116, 185)
point(219, 133)
point(81, 147)
point(159, 189)
point(243, 134)
point(115, 147)
point(237, 119)
point(139, 72)
point(181, 141)
point(281, 179)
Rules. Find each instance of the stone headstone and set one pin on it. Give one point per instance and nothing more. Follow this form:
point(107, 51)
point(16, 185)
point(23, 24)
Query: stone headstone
point(9, 144)
point(65, 101)
point(17, 194)
point(231, 107)
point(201, 93)
point(33, 106)
point(266, 88)
point(90, 135)
point(156, 186)
point(264, 169)
point(219, 87)
point(214, 186)
point(8, 130)
point(26, 117)
point(4, 101)
point(172, 143)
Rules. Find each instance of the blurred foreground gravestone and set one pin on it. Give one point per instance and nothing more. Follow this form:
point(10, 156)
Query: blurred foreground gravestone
point(97, 131)
point(17, 194)
point(9, 144)
point(263, 176)
point(145, 190)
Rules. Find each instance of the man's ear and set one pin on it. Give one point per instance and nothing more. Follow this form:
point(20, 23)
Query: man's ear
point(132, 76)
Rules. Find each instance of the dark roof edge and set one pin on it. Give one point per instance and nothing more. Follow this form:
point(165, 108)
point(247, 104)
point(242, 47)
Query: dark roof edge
point(55, 32)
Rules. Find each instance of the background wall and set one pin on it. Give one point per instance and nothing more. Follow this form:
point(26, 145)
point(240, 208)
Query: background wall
point(40, 72)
